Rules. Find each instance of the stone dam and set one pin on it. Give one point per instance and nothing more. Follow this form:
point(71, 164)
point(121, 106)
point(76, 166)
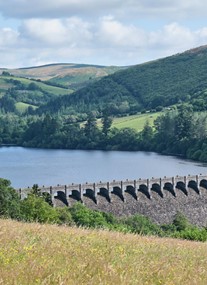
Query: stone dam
point(160, 199)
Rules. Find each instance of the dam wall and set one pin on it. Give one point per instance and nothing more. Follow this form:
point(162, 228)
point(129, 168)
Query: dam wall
point(160, 199)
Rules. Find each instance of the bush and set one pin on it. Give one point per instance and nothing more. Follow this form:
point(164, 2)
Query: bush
point(35, 209)
point(9, 200)
point(141, 225)
point(192, 233)
point(65, 217)
point(85, 217)
point(180, 222)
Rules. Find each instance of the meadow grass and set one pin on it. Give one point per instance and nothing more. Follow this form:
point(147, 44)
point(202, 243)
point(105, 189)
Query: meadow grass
point(136, 122)
point(47, 88)
point(50, 254)
point(22, 107)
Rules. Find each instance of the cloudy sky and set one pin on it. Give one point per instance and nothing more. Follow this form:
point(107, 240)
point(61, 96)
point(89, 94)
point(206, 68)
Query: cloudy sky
point(104, 32)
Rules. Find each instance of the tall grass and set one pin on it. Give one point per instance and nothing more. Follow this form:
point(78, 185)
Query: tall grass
point(49, 254)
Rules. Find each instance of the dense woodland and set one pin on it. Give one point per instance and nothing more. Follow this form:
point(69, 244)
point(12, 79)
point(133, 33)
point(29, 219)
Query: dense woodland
point(38, 208)
point(154, 85)
point(179, 132)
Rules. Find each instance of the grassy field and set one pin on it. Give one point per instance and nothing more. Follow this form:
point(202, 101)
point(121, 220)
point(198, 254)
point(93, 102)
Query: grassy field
point(22, 107)
point(45, 254)
point(136, 122)
point(4, 85)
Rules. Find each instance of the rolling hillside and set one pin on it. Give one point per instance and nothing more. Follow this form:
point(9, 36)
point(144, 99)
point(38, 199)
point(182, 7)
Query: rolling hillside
point(164, 82)
point(67, 74)
point(23, 92)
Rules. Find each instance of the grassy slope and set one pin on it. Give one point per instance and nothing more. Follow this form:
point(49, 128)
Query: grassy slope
point(51, 89)
point(44, 254)
point(5, 85)
point(22, 107)
point(164, 82)
point(66, 73)
point(136, 122)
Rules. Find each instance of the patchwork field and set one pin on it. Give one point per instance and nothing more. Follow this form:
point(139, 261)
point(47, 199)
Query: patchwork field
point(45, 254)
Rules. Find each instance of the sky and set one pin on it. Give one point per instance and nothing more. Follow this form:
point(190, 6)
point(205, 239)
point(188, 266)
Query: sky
point(101, 32)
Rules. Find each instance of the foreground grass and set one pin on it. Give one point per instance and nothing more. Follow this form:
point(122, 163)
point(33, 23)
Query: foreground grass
point(45, 254)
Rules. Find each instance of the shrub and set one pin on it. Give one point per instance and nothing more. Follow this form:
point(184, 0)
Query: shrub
point(64, 216)
point(142, 225)
point(86, 217)
point(35, 209)
point(9, 200)
point(180, 222)
point(192, 233)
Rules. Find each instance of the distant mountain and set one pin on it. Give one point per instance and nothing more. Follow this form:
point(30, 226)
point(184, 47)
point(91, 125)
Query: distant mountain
point(167, 81)
point(70, 75)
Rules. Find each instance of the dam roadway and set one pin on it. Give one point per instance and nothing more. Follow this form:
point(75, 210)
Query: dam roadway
point(158, 198)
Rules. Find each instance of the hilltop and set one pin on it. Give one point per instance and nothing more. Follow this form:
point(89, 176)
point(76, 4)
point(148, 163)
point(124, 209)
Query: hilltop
point(153, 85)
point(180, 78)
point(70, 75)
point(35, 86)
point(49, 254)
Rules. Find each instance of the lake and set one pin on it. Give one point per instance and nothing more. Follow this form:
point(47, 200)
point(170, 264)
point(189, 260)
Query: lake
point(27, 166)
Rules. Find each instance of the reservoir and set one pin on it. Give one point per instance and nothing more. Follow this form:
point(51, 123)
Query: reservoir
point(26, 166)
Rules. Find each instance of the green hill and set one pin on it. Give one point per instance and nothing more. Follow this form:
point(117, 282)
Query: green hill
point(70, 75)
point(156, 84)
point(23, 92)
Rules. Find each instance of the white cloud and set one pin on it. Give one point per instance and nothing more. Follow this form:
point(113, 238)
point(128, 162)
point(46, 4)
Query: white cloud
point(132, 8)
point(109, 42)
point(119, 35)
point(54, 8)
point(8, 37)
point(100, 32)
point(172, 35)
point(55, 32)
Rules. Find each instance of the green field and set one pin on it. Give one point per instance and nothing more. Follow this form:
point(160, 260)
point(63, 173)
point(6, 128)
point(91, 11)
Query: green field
point(22, 107)
point(50, 255)
point(5, 85)
point(136, 122)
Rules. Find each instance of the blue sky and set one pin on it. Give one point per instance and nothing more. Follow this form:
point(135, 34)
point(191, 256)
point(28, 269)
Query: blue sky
point(109, 32)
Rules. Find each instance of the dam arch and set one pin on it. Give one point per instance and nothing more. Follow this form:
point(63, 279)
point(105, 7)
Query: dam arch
point(158, 198)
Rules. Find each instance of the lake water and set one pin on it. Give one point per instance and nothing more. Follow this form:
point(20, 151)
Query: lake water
point(27, 166)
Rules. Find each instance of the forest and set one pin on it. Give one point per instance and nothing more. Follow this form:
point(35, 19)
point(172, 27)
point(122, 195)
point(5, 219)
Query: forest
point(179, 131)
point(150, 86)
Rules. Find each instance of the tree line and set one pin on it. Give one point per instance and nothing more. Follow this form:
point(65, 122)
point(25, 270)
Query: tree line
point(179, 132)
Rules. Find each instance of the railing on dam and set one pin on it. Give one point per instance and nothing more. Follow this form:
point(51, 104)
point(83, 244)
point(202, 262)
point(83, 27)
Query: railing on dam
point(119, 188)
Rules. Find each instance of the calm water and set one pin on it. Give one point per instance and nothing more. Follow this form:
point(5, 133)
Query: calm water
point(25, 167)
